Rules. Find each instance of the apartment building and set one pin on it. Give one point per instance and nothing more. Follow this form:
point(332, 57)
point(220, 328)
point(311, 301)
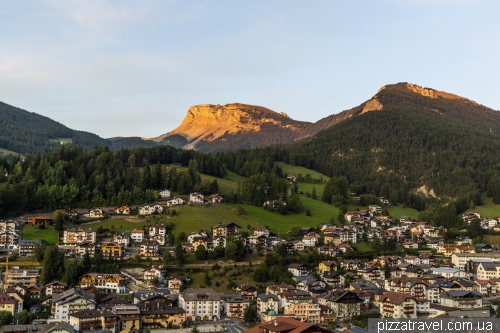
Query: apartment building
point(79, 236)
point(200, 304)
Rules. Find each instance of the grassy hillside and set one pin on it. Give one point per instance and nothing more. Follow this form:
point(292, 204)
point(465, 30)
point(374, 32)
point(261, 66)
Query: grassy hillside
point(7, 152)
point(31, 232)
point(489, 209)
point(195, 218)
point(293, 169)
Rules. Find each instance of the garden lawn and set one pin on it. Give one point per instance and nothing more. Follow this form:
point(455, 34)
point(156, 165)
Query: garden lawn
point(31, 232)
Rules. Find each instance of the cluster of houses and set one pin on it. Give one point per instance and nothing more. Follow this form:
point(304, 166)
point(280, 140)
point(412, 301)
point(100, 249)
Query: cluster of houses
point(414, 287)
point(440, 280)
point(149, 208)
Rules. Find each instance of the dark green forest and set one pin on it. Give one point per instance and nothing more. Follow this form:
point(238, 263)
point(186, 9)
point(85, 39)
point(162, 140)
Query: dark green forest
point(417, 145)
point(26, 132)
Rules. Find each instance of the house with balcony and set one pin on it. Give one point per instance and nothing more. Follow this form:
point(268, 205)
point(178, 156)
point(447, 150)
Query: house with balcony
point(71, 301)
point(94, 213)
point(122, 210)
point(298, 270)
point(485, 287)
point(108, 283)
point(112, 251)
point(236, 306)
point(225, 229)
point(83, 248)
point(149, 248)
point(54, 287)
point(158, 312)
point(175, 202)
point(79, 236)
point(164, 193)
point(149, 209)
point(8, 304)
point(462, 299)
point(345, 304)
point(154, 272)
point(196, 198)
point(175, 283)
point(245, 290)
point(93, 320)
point(334, 279)
point(123, 239)
point(137, 235)
point(327, 266)
point(309, 313)
point(129, 317)
point(397, 305)
point(215, 198)
point(158, 229)
point(26, 247)
point(266, 302)
point(200, 304)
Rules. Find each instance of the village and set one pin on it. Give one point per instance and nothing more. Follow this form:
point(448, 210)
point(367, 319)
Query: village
point(430, 277)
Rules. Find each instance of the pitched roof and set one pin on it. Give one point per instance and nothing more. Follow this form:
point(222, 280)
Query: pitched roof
point(395, 297)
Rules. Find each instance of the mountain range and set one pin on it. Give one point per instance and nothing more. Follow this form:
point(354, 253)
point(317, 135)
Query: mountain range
point(214, 128)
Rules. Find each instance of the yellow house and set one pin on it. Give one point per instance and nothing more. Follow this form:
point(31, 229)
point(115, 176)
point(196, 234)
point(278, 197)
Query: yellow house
point(123, 209)
point(112, 250)
point(8, 303)
point(327, 266)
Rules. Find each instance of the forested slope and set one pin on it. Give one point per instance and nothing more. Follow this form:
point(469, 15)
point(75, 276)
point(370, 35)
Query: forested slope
point(26, 132)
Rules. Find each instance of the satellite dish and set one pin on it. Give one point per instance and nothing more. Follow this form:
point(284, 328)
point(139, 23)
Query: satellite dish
point(413, 294)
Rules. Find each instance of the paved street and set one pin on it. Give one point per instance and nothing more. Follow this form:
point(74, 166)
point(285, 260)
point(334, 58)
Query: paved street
point(206, 328)
point(235, 328)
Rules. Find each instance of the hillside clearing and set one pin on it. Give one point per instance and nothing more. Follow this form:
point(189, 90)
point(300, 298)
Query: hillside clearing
point(48, 234)
point(489, 209)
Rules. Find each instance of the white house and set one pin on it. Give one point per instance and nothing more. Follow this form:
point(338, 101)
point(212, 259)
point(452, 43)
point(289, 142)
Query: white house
point(154, 271)
point(96, 212)
point(137, 235)
point(201, 303)
point(196, 197)
point(165, 193)
point(175, 202)
point(148, 209)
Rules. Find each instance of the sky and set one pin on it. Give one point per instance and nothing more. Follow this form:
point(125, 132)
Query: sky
point(133, 68)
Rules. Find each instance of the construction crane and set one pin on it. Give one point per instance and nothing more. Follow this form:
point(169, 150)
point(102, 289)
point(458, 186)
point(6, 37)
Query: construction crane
point(21, 264)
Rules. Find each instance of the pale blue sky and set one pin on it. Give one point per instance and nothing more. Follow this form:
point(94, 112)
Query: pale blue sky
point(133, 68)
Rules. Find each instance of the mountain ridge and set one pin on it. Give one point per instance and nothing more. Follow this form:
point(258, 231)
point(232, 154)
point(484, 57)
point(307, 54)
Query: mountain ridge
point(214, 128)
point(195, 133)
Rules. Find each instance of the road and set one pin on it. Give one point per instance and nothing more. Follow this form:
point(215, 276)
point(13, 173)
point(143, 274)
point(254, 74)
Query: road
point(230, 327)
point(235, 328)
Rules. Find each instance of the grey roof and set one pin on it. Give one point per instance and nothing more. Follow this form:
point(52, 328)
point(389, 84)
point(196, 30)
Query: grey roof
point(92, 314)
point(265, 297)
point(194, 294)
point(463, 293)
